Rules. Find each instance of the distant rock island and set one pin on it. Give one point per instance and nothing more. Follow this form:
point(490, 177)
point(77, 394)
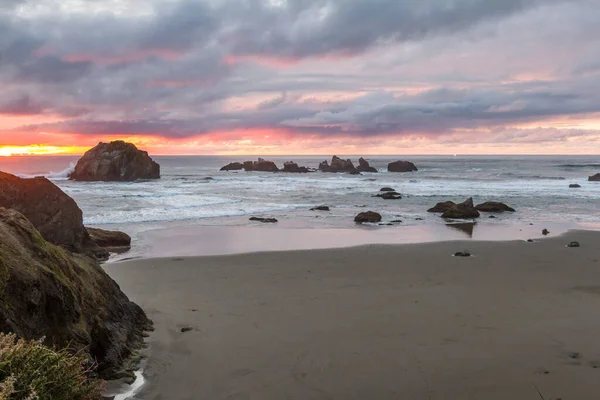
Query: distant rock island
point(116, 161)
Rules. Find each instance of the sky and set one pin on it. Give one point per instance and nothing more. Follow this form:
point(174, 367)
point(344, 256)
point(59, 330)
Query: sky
point(301, 76)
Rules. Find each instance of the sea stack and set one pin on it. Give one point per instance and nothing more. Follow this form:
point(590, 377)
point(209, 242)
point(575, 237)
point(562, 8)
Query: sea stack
point(338, 165)
point(594, 178)
point(116, 161)
point(401, 166)
point(363, 166)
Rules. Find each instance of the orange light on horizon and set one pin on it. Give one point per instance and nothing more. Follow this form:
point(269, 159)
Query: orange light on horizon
point(35, 149)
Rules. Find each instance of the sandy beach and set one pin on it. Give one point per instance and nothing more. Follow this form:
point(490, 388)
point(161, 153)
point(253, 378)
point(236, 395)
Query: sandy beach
point(374, 322)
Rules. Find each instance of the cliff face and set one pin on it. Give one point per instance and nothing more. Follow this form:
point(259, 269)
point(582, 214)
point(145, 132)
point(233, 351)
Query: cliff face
point(46, 291)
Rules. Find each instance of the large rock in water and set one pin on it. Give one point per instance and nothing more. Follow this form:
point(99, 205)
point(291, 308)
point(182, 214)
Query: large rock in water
point(260, 165)
point(594, 178)
point(115, 161)
point(363, 166)
point(291, 166)
point(442, 207)
point(369, 216)
point(234, 166)
point(338, 165)
point(494, 206)
point(65, 298)
point(464, 210)
point(401, 166)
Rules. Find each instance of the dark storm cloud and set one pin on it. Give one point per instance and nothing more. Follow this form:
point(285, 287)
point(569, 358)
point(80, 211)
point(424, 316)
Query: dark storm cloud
point(22, 105)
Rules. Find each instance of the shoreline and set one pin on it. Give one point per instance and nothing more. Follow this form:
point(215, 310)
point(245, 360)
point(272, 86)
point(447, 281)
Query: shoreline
point(379, 321)
point(290, 235)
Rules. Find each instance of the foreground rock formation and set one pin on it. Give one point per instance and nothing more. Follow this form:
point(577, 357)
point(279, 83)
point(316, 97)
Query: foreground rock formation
point(594, 178)
point(363, 166)
point(338, 165)
point(110, 239)
point(442, 207)
point(115, 161)
point(464, 210)
point(401, 166)
point(47, 291)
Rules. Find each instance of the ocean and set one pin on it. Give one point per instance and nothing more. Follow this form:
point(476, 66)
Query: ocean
point(192, 190)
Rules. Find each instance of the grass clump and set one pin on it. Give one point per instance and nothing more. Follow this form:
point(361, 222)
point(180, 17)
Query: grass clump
point(31, 371)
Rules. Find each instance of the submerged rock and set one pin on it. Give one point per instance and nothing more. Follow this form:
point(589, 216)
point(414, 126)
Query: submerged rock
point(320, 208)
point(389, 196)
point(387, 189)
point(338, 165)
point(291, 166)
point(573, 244)
point(401, 166)
point(115, 161)
point(264, 220)
point(234, 166)
point(442, 207)
point(65, 298)
point(494, 206)
point(261, 165)
point(574, 186)
point(594, 178)
point(363, 166)
point(464, 210)
point(369, 216)
point(462, 254)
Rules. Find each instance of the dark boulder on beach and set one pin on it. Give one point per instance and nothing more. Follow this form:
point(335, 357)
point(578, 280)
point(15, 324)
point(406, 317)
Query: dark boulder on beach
point(65, 298)
point(464, 210)
point(261, 165)
point(387, 189)
point(115, 161)
point(291, 166)
point(494, 206)
point(369, 216)
point(111, 239)
point(338, 165)
point(401, 166)
point(234, 166)
point(389, 195)
point(594, 178)
point(574, 186)
point(320, 208)
point(51, 211)
point(442, 207)
point(363, 166)
point(264, 220)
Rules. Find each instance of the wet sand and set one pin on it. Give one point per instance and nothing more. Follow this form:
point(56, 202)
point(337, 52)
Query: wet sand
point(375, 322)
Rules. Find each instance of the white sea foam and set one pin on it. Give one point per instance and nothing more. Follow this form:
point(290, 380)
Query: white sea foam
point(135, 387)
point(64, 174)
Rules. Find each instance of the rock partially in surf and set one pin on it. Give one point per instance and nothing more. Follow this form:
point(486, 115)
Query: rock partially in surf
point(389, 196)
point(234, 166)
point(363, 166)
point(320, 208)
point(574, 186)
point(291, 166)
point(116, 161)
point(494, 206)
point(261, 165)
point(573, 244)
point(111, 239)
point(263, 220)
point(464, 210)
point(594, 178)
point(401, 166)
point(387, 189)
point(462, 254)
point(338, 165)
point(368, 216)
point(442, 207)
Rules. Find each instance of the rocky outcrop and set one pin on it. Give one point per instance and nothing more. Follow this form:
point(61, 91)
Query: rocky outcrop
point(464, 210)
point(115, 161)
point(51, 211)
point(494, 206)
point(442, 207)
point(401, 166)
point(66, 298)
point(363, 166)
point(291, 166)
point(594, 178)
point(109, 239)
point(261, 165)
point(234, 166)
point(369, 216)
point(338, 165)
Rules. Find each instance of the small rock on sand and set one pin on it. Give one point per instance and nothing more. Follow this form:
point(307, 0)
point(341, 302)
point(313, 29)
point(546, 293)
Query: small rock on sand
point(264, 220)
point(545, 232)
point(462, 254)
point(573, 244)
